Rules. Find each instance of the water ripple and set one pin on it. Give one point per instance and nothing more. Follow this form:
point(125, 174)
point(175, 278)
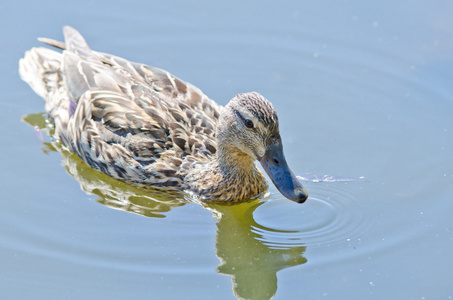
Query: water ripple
point(330, 216)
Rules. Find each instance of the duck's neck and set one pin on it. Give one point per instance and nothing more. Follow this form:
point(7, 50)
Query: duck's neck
point(231, 176)
point(235, 162)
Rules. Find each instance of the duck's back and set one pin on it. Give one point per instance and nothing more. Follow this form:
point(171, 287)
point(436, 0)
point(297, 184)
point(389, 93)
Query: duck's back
point(128, 120)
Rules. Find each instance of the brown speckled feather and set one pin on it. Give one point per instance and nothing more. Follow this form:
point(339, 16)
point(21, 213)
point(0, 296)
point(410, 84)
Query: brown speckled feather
point(132, 121)
point(142, 124)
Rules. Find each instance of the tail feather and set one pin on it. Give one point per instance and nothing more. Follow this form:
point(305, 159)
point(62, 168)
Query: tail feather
point(55, 76)
point(40, 68)
point(54, 43)
point(75, 42)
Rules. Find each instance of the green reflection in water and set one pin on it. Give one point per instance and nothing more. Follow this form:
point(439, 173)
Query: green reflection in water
point(250, 260)
point(244, 254)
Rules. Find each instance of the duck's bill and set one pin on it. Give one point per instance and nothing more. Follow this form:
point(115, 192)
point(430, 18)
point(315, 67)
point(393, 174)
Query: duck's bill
point(274, 163)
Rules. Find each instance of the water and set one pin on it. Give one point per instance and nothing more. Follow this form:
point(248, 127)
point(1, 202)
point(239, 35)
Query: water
point(361, 88)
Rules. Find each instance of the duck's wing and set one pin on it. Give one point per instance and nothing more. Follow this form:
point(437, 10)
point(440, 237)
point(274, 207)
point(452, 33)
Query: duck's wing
point(127, 115)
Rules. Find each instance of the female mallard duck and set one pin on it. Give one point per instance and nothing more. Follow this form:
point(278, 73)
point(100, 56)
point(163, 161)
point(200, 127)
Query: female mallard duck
point(144, 125)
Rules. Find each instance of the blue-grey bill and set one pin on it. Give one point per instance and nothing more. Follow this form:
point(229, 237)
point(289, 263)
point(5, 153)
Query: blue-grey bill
point(275, 165)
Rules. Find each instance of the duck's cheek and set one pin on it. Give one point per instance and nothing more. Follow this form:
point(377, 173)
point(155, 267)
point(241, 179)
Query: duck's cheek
point(251, 153)
point(260, 151)
point(254, 149)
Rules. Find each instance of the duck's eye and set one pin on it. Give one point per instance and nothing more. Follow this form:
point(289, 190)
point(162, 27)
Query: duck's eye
point(249, 123)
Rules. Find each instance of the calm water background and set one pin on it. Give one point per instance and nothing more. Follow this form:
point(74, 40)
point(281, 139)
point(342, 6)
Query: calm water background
point(362, 88)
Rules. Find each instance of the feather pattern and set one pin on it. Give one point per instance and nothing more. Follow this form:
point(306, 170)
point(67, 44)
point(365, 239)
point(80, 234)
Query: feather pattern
point(142, 124)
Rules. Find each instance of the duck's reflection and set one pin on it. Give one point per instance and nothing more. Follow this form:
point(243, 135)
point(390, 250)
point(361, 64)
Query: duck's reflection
point(244, 254)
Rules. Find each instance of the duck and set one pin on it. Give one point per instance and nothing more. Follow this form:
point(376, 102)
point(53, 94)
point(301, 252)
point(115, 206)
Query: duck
point(143, 125)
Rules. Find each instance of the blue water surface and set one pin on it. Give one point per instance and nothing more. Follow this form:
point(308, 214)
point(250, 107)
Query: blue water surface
point(363, 90)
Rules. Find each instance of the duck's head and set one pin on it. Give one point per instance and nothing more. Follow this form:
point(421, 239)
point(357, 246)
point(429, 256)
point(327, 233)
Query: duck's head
point(248, 126)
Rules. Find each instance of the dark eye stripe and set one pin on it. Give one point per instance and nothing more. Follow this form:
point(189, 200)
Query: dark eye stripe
point(248, 123)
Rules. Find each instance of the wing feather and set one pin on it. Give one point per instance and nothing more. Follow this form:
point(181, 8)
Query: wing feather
point(133, 121)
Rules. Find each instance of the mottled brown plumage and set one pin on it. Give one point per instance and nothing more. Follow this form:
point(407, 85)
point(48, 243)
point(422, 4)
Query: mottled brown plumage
point(142, 124)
